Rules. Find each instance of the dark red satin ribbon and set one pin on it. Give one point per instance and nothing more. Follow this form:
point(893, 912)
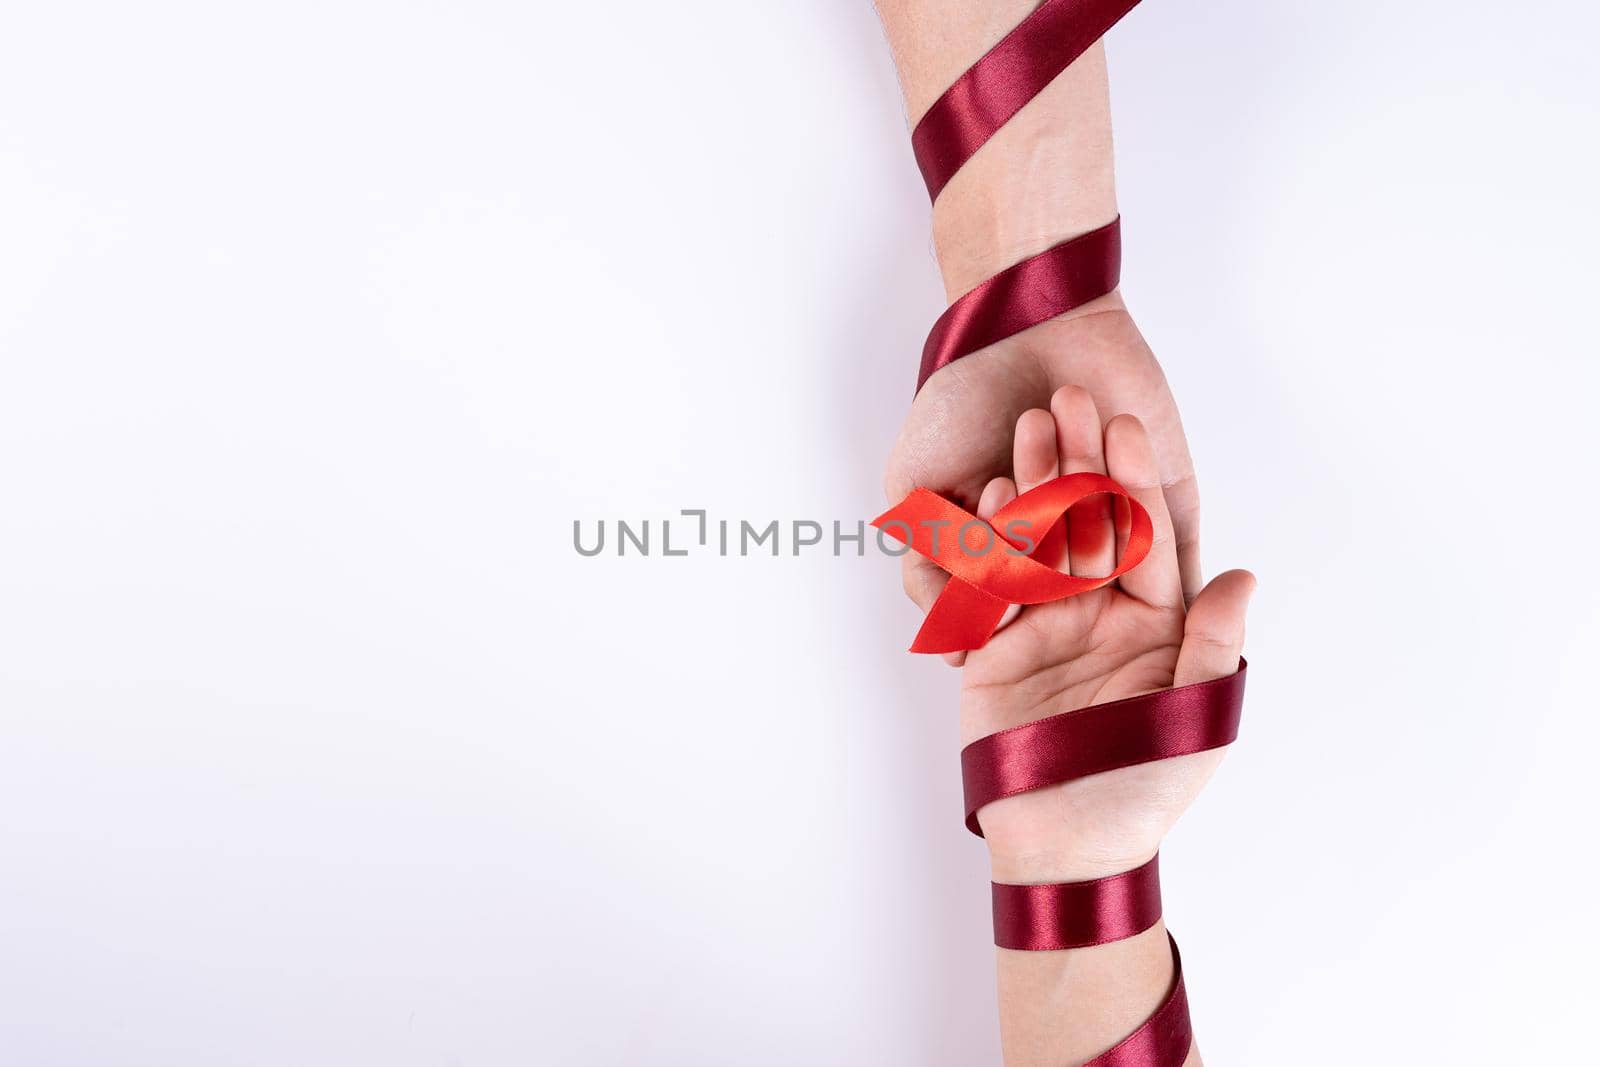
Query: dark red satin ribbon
point(1105, 737)
point(999, 84)
point(959, 123)
point(1047, 918)
point(1036, 290)
point(1068, 915)
point(1010, 560)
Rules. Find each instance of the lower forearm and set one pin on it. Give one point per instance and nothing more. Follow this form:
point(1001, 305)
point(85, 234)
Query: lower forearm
point(1067, 1007)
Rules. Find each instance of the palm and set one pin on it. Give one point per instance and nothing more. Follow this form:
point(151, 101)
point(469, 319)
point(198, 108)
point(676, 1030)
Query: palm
point(1131, 637)
point(1088, 649)
point(1065, 655)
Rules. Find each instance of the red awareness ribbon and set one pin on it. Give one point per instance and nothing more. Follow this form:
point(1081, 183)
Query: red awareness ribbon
point(1009, 561)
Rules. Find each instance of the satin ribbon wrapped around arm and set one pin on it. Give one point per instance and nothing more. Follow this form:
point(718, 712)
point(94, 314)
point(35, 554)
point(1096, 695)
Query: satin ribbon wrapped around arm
point(1011, 561)
point(1088, 741)
point(1070, 915)
point(959, 123)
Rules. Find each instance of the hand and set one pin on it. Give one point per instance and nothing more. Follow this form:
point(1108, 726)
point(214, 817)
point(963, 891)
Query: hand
point(957, 435)
point(1131, 637)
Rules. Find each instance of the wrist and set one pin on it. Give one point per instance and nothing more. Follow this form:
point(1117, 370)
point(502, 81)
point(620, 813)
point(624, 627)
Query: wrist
point(1073, 834)
point(1015, 865)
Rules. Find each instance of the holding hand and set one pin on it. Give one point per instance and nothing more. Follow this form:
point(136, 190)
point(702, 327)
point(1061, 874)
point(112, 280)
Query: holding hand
point(1051, 661)
point(957, 435)
point(1131, 637)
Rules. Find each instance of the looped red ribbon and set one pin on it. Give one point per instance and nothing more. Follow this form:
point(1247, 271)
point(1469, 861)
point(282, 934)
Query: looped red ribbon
point(1009, 561)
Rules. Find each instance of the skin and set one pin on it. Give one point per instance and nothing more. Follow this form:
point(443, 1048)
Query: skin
point(1018, 413)
point(1134, 636)
point(956, 436)
point(1046, 176)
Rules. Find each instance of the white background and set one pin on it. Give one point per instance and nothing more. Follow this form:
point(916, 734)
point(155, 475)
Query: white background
point(321, 323)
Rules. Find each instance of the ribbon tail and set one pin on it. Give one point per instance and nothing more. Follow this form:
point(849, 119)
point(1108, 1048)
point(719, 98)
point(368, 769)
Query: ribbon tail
point(962, 619)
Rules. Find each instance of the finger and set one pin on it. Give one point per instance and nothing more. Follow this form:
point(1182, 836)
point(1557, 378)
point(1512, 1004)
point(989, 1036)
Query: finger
point(1183, 504)
point(922, 578)
point(1091, 536)
point(1033, 460)
point(996, 495)
point(1213, 632)
point(1033, 453)
point(1132, 462)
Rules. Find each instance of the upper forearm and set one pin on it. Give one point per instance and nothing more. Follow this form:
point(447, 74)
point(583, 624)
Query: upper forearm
point(1045, 176)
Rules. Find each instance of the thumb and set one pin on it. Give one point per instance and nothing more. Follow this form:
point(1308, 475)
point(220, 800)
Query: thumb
point(924, 581)
point(1213, 632)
